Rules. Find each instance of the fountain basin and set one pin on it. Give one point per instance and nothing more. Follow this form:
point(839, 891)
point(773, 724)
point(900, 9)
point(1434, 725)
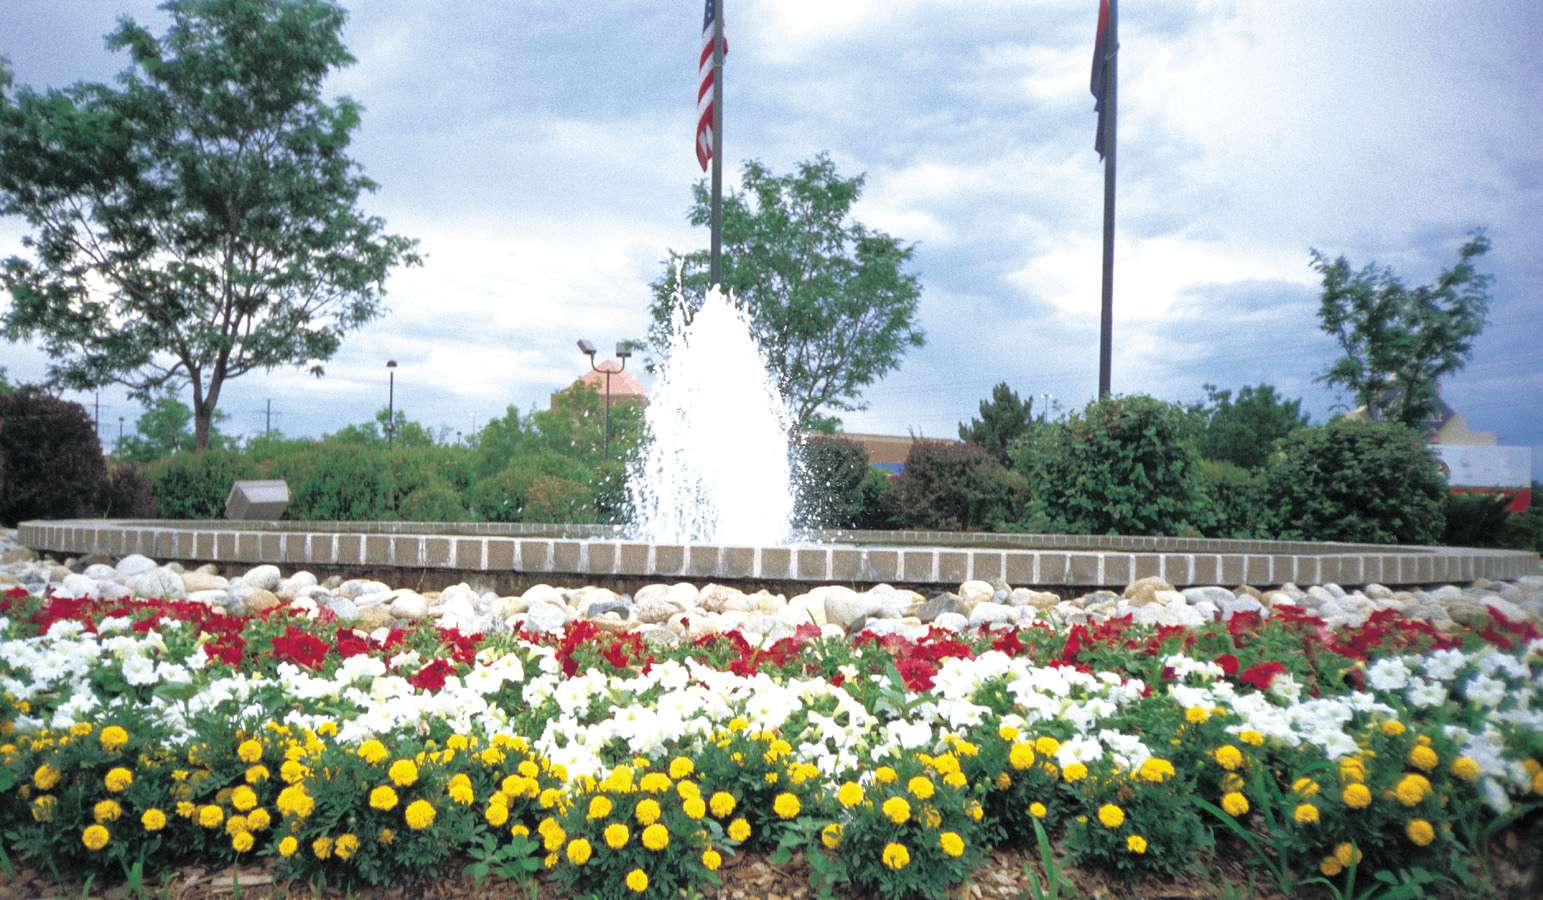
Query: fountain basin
point(506, 556)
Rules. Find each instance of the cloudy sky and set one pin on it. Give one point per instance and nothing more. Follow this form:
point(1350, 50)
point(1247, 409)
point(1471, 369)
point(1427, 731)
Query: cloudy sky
point(542, 153)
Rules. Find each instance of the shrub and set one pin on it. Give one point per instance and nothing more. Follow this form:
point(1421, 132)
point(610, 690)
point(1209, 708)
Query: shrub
point(1477, 520)
point(51, 463)
point(1121, 466)
point(340, 483)
point(196, 485)
point(433, 501)
point(956, 487)
point(1226, 500)
point(523, 493)
point(127, 494)
point(880, 504)
point(830, 472)
point(411, 469)
point(1355, 481)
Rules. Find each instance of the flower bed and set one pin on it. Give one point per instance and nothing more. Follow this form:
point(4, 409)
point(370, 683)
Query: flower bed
point(144, 734)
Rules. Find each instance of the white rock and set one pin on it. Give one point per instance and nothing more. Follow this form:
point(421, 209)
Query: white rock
point(79, 586)
point(134, 564)
point(989, 613)
point(951, 621)
point(657, 608)
point(973, 592)
point(409, 605)
point(1214, 593)
point(260, 600)
point(157, 583)
point(1168, 598)
point(266, 577)
point(197, 582)
point(99, 571)
point(112, 590)
point(544, 593)
point(650, 592)
point(684, 595)
point(1023, 597)
point(211, 597)
point(844, 606)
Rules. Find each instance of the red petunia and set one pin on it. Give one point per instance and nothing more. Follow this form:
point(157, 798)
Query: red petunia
point(300, 648)
point(916, 673)
point(1229, 664)
point(1261, 675)
point(432, 676)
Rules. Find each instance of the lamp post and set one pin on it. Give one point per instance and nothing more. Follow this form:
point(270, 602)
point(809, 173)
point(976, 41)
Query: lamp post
point(622, 353)
point(390, 401)
point(118, 448)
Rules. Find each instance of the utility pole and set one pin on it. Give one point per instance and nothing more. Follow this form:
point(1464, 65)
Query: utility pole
point(268, 417)
point(1111, 85)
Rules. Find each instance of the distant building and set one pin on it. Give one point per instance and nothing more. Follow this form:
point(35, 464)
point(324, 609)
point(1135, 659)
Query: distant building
point(1474, 463)
point(625, 388)
point(889, 451)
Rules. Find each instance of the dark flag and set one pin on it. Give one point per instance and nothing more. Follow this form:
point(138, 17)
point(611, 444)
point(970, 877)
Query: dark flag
point(1100, 71)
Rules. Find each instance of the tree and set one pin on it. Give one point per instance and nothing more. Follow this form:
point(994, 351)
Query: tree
point(1003, 419)
point(198, 219)
point(1242, 431)
point(1399, 342)
point(405, 433)
point(165, 428)
point(829, 300)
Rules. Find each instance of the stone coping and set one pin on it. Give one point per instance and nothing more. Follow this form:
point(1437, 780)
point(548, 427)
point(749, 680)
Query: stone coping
point(855, 558)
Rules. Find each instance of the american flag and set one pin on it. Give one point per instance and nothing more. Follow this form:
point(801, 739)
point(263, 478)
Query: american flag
point(704, 93)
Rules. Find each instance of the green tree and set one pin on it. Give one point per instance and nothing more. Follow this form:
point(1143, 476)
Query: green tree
point(1003, 419)
point(1399, 342)
point(405, 433)
point(1242, 430)
point(197, 219)
point(829, 300)
point(165, 428)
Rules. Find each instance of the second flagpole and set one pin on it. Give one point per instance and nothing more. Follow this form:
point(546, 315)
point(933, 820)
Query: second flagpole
point(715, 269)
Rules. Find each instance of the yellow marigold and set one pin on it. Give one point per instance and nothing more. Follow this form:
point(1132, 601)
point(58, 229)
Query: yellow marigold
point(1330, 867)
point(1021, 756)
point(153, 819)
point(1305, 814)
point(1234, 803)
point(113, 738)
point(1228, 757)
point(722, 803)
point(1352, 770)
point(951, 843)
point(419, 815)
point(1423, 758)
point(1074, 772)
point(1046, 746)
point(1155, 770)
point(656, 837)
point(637, 881)
point(931, 817)
point(1111, 816)
point(920, 787)
point(1392, 728)
point(975, 810)
point(241, 841)
point(896, 856)
point(655, 782)
point(693, 807)
point(1232, 781)
point(1304, 786)
point(43, 808)
point(491, 756)
point(897, 810)
point(680, 767)
point(210, 816)
point(1356, 796)
point(1537, 783)
point(578, 851)
point(1197, 715)
point(403, 772)
point(288, 845)
point(616, 835)
point(118, 779)
point(235, 825)
point(258, 819)
point(884, 775)
point(831, 835)
point(95, 837)
point(249, 750)
point(600, 806)
point(688, 789)
point(462, 794)
point(108, 811)
point(80, 729)
point(739, 830)
point(1346, 853)
point(257, 774)
point(186, 809)
point(1411, 789)
point(496, 814)
point(1466, 768)
point(1136, 844)
point(711, 859)
point(321, 848)
point(44, 777)
point(1007, 732)
point(647, 811)
point(346, 846)
point(292, 772)
point(786, 805)
point(1420, 832)
point(955, 779)
point(1038, 810)
point(1251, 737)
point(1003, 781)
point(294, 801)
point(383, 798)
point(243, 798)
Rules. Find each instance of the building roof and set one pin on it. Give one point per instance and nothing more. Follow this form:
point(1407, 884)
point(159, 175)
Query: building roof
point(623, 384)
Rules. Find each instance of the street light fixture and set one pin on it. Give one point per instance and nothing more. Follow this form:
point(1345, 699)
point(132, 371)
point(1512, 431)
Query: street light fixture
point(622, 353)
point(390, 401)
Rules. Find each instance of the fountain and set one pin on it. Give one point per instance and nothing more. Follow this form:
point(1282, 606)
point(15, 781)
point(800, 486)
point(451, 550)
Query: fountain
point(717, 468)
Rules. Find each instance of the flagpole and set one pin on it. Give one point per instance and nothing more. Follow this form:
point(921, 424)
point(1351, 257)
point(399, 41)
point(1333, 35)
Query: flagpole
point(1106, 329)
point(715, 271)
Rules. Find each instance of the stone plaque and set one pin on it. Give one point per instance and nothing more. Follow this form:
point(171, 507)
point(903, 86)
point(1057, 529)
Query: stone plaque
point(253, 500)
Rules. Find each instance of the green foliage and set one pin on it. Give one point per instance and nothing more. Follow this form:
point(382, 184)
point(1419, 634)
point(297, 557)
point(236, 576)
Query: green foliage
point(829, 300)
point(1227, 501)
point(402, 431)
point(1399, 342)
point(1355, 481)
point(342, 484)
point(540, 487)
point(1242, 430)
point(198, 218)
point(1003, 419)
point(1525, 529)
point(432, 501)
point(831, 474)
point(1477, 520)
point(51, 464)
point(880, 504)
point(1121, 466)
point(196, 485)
point(956, 487)
point(165, 428)
point(126, 495)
